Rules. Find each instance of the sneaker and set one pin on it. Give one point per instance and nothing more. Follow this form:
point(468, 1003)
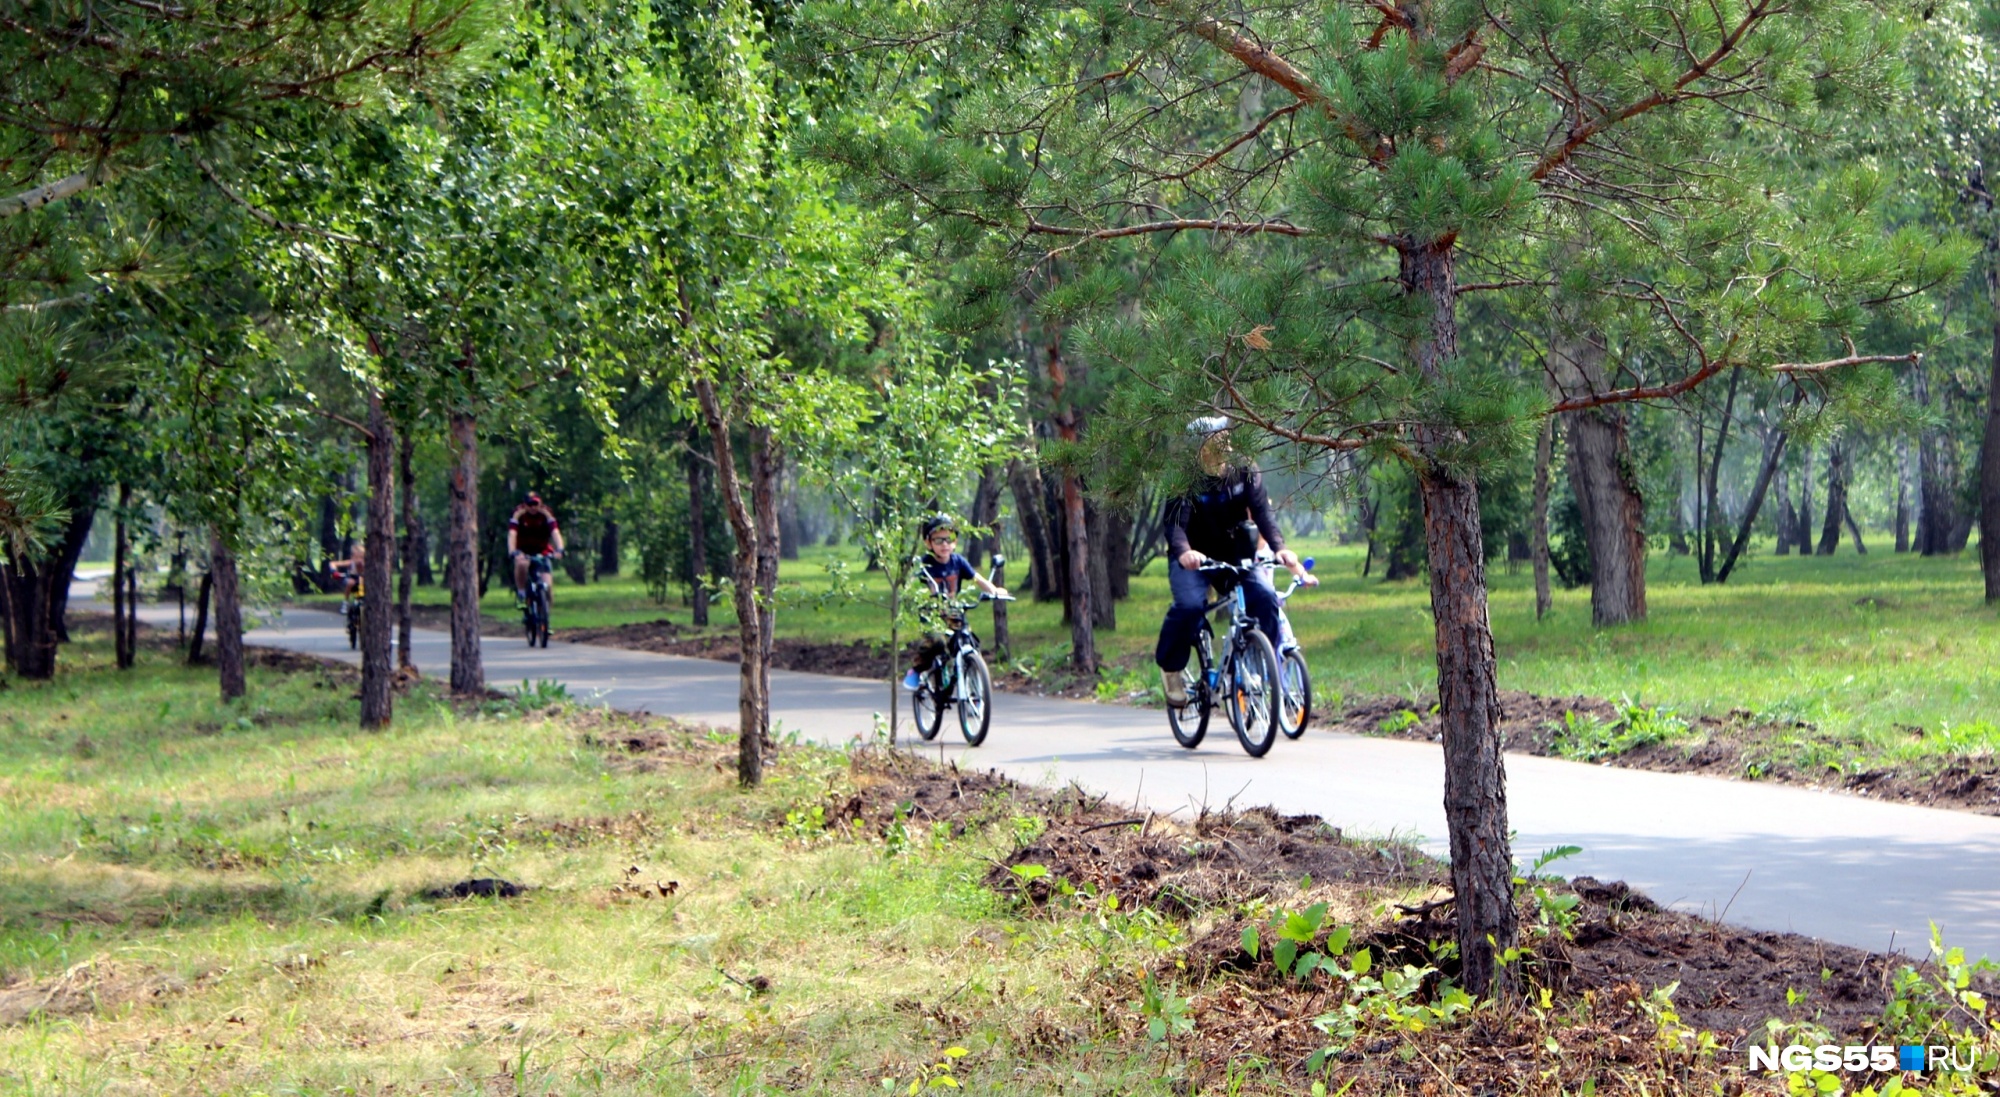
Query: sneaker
point(910, 681)
point(1175, 685)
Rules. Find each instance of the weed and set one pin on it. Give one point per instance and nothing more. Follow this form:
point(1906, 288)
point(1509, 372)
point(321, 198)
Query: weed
point(1585, 738)
point(1400, 722)
point(1166, 1014)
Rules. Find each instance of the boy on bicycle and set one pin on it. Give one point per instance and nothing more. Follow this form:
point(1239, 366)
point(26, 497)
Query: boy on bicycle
point(944, 569)
point(1211, 521)
point(531, 531)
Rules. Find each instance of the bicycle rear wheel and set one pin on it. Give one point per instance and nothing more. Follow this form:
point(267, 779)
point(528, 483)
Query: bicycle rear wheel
point(1190, 721)
point(927, 704)
point(353, 610)
point(975, 698)
point(1295, 692)
point(1250, 692)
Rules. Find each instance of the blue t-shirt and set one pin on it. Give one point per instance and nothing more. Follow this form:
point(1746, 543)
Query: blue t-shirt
point(949, 574)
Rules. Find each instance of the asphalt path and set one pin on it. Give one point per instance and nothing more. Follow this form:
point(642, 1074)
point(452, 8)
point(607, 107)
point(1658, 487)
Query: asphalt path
point(1839, 867)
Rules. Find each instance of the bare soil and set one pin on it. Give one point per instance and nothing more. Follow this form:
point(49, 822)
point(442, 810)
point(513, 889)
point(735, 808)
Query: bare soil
point(1603, 1019)
point(1736, 746)
point(859, 659)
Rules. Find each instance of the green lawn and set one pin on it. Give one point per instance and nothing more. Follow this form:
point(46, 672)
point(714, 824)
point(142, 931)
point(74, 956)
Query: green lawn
point(202, 899)
point(1863, 647)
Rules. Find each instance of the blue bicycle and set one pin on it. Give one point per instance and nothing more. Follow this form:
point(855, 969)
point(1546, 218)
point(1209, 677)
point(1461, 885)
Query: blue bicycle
point(1244, 681)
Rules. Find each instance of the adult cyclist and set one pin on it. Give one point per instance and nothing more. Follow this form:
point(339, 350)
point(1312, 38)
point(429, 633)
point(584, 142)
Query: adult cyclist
point(532, 530)
point(1221, 517)
point(945, 569)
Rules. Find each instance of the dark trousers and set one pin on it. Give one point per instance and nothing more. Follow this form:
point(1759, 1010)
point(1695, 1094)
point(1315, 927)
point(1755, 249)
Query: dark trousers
point(1183, 621)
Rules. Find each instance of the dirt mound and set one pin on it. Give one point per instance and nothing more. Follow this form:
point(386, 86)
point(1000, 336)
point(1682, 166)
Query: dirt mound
point(95, 986)
point(859, 659)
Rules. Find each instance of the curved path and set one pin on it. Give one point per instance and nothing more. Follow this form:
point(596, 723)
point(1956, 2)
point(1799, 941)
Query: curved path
point(1851, 870)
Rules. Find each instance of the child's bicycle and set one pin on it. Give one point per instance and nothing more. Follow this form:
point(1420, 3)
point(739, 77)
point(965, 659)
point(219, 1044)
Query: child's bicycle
point(1295, 687)
point(352, 601)
point(1244, 681)
point(957, 675)
point(535, 601)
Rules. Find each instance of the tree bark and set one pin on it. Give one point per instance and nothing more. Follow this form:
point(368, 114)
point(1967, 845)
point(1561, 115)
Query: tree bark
point(1076, 527)
point(1606, 488)
point(749, 640)
point(1774, 452)
point(121, 641)
point(228, 619)
point(330, 548)
point(1103, 608)
point(608, 549)
point(1118, 554)
point(377, 571)
point(1989, 463)
point(1937, 477)
point(1475, 783)
point(1783, 515)
point(697, 470)
point(1025, 480)
point(468, 673)
point(985, 512)
point(1538, 544)
point(767, 470)
point(1836, 499)
point(194, 653)
point(31, 640)
point(409, 550)
point(82, 513)
point(1711, 516)
point(1802, 528)
point(1903, 495)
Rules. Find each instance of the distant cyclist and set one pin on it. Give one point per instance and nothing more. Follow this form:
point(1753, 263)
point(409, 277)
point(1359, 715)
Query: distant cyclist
point(946, 570)
point(1221, 518)
point(531, 531)
point(350, 569)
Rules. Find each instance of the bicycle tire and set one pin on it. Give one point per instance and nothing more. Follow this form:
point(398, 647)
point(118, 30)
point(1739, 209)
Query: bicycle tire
point(353, 626)
point(542, 616)
point(1250, 682)
point(975, 698)
point(1295, 692)
point(1189, 723)
point(927, 706)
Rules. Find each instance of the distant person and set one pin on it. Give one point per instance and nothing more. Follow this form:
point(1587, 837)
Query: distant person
point(943, 570)
point(349, 570)
point(532, 531)
point(1221, 518)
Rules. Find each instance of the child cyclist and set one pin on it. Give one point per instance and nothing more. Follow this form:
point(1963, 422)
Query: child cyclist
point(944, 569)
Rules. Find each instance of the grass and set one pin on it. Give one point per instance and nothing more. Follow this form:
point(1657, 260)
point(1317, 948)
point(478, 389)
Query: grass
point(204, 899)
point(1864, 648)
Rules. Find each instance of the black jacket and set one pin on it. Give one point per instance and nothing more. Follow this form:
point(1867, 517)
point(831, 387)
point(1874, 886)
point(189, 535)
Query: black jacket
point(1210, 520)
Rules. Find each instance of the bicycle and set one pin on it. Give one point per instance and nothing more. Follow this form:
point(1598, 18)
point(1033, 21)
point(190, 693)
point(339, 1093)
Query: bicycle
point(535, 600)
point(352, 601)
point(956, 676)
point(1295, 689)
point(1244, 681)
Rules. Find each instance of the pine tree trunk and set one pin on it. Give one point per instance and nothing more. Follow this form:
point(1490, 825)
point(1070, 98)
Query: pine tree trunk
point(1118, 553)
point(1076, 527)
point(767, 469)
point(1606, 493)
point(1989, 463)
point(1836, 499)
point(121, 643)
point(1774, 452)
point(608, 549)
point(1937, 477)
point(697, 471)
point(1538, 541)
point(377, 571)
point(468, 672)
point(194, 653)
point(1025, 480)
point(985, 511)
point(228, 620)
point(1475, 792)
point(1782, 515)
point(750, 700)
point(410, 550)
point(1103, 608)
point(1712, 517)
point(1903, 495)
point(82, 512)
point(31, 640)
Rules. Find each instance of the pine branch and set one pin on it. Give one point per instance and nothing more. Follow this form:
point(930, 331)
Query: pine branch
point(37, 197)
point(261, 215)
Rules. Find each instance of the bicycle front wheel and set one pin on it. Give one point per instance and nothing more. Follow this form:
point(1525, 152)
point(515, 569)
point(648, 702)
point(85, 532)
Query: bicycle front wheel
point(975, 698)
point(353, 626)
point(1295, 690)
point(1250, 685)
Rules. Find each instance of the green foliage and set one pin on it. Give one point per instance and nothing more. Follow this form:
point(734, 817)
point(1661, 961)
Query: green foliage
point(1587, 738)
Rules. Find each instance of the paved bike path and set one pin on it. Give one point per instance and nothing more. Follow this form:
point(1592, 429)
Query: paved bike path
point(1846, 869)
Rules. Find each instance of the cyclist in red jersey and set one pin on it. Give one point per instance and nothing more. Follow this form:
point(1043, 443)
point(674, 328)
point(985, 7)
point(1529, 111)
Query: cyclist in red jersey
point(531, 531)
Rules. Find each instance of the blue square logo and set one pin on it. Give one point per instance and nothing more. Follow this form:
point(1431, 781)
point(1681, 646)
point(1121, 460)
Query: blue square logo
point(1911, 1056)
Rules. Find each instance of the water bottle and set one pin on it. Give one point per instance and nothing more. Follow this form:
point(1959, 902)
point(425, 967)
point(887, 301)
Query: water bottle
point(1214, 678)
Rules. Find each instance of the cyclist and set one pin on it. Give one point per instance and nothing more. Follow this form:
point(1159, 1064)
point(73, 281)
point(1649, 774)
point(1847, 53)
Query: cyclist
point(349, 570)
point(945, 569)
point(1221, 517)
point(532, 530)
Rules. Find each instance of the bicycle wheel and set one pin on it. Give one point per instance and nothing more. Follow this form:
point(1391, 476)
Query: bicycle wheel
point(927, 704)
point(542, 616)
point(353, 610)
point(1250, 692)
point(1190, 721)
point(975, 698)
point(1295, 692)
